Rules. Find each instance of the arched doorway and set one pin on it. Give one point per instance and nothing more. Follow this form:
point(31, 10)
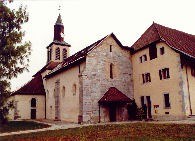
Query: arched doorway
point(33, 108)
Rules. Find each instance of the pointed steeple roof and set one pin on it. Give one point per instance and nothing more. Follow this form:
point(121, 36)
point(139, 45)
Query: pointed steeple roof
point(59, 20)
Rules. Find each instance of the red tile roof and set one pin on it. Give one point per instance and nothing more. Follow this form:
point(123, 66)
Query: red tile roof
point(114, 95)
point(80, 56)
point(33, 87)
point(178, 40)
point(49, 66)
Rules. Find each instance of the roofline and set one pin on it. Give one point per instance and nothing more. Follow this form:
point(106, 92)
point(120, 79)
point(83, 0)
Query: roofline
point(65, 68)
point(13, 94)
point(68, 45)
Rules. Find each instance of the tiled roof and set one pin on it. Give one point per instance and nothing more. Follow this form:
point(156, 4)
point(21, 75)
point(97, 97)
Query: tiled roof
point(33, 87)
point(114, 95)
point(79, 56)
point(62, 43)
point(178, 40)
point(49, 66)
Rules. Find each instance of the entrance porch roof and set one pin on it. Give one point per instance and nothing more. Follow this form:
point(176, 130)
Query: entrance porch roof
point(113, 95)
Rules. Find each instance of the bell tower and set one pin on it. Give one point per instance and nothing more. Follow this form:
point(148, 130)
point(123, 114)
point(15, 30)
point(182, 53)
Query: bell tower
point(58, 50)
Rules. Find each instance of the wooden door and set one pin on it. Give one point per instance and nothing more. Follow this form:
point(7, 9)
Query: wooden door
point(33, 113)
point(112, 112)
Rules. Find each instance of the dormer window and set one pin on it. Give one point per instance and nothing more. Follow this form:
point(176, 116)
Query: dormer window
point(64, 54)
point(58, 53)
point(153, 51)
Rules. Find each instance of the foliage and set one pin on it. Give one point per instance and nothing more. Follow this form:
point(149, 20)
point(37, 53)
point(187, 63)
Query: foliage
point(125, 131)
point(13, 52)
point(135, 112)
point(13, 126)
point(132, 110)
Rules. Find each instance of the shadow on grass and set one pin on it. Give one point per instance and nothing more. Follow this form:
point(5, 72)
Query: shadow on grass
point(14, 126)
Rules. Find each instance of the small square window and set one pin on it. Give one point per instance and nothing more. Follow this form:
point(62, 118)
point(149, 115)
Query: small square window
point(164, 73)
point(143, 58)
point(162, 50)
point(146, 78)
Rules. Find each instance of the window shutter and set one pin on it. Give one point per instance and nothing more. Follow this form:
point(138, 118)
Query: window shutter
point(168, 75)
point(149, 77)
point(143, 77)
point(160, 74)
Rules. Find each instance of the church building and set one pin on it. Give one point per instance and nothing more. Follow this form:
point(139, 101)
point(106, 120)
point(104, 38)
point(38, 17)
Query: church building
point(98, 83)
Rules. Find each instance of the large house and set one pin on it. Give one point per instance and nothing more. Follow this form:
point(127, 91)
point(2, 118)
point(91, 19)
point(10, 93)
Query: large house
point(98, 83)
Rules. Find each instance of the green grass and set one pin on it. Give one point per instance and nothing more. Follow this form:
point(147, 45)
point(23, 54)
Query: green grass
point(115, 132)
point(13, 126)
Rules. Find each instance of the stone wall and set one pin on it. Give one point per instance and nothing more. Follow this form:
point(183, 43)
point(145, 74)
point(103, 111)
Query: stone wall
point(96, 79)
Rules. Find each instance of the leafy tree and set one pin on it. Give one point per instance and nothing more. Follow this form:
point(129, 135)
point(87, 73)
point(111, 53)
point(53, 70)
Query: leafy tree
point(14, 52)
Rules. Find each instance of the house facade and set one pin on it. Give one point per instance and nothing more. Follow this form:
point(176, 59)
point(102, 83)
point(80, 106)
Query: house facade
point(98, 83)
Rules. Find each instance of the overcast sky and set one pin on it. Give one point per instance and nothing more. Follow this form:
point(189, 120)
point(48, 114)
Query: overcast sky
point(86, 21)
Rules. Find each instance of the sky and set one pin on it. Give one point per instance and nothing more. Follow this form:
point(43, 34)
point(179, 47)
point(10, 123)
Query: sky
point(86, 21)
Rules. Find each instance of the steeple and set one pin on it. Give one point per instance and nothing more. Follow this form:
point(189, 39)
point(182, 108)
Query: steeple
point(59, 30)
point(59, 20)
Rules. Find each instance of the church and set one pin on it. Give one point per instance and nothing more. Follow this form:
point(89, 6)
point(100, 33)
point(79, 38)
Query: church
point(98, 83)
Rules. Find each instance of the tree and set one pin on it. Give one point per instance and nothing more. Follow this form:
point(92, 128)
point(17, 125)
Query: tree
point(14, 52)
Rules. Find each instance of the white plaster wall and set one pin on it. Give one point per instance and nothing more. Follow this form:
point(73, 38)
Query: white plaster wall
point(156, 88)
point(24, 106)
point(189, 93)
point(69, 103)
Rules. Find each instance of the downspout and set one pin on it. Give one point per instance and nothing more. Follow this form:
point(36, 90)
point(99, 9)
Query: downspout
point(188, 91)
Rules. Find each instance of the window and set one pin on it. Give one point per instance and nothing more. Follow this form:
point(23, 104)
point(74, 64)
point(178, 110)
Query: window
point(166, 100)
point(58, 53)
point(63, 91)
point(110, 48)
point(146, 77)
point(33, 102)
point(193, 71)
point(111, 71)
point(164, 73)
point(143, 58)
point(64, 54)
point(74, 89)
point(153, 51)
point(162, 50)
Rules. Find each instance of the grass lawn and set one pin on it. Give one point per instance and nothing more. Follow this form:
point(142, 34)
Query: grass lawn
point(115, 132)
point(13, 126)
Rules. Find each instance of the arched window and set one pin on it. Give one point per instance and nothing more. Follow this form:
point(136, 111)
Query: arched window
point(58, 53)
point(33, 102)
point(63, 91)
point(111, 71)
point(74, 89)
point(64, 54)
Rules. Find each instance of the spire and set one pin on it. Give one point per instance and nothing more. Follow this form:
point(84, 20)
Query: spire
point(59, 20)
